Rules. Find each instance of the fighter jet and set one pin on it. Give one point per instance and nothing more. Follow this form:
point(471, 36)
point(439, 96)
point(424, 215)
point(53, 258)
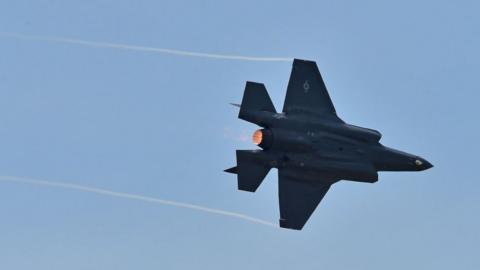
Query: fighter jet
point(311, 147)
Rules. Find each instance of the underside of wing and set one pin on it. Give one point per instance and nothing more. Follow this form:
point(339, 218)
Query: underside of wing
point(298, 198)
point(306, 90)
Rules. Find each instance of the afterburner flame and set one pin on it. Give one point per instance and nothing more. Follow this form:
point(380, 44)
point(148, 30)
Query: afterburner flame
point(257, 137)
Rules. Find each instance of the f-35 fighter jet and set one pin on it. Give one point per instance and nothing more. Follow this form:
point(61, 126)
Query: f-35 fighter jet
point(311, 147)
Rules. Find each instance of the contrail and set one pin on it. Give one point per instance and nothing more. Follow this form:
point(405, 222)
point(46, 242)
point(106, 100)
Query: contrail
point(106, 192)
point(142, 48)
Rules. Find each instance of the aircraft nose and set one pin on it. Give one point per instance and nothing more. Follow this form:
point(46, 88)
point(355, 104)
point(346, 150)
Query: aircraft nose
point(423, 164)
point(427, 165)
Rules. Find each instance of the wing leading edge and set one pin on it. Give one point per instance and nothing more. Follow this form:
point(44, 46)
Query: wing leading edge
point(298, 199)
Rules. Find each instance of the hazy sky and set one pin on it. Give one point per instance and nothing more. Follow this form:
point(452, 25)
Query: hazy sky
point(160, 125)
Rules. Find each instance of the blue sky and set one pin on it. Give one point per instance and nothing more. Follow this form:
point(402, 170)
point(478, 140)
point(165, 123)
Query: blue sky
point(160, 125)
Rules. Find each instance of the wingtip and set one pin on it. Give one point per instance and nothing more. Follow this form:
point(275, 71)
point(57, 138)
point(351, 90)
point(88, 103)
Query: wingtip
point(297, 61)
point(286, 225)
point(235, 105)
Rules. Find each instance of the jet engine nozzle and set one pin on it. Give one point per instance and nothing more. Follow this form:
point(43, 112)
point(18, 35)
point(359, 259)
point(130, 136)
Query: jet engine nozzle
point(263, 138)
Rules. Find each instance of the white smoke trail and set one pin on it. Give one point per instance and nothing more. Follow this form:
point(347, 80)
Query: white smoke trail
point(142, 48)
point(106, 192)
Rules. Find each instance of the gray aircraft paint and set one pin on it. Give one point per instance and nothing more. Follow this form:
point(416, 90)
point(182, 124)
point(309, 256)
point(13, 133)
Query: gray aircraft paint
point(311, 147)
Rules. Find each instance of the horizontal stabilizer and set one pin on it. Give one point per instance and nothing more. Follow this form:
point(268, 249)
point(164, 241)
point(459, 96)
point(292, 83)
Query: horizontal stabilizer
point(255, 98)
point(250, 169)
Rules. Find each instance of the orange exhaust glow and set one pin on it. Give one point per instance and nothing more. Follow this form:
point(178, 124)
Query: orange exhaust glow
point(257, 137)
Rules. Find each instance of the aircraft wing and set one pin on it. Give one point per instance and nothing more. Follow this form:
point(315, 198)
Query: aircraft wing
point(298, 198)
point(306, 90)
